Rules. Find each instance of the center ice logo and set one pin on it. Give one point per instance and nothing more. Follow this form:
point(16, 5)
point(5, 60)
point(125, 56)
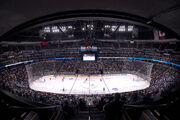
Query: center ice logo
point(88, 82)
point(115, 89)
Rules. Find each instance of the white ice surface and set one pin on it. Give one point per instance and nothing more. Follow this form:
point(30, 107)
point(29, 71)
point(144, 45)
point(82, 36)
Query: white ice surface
point(93, 84)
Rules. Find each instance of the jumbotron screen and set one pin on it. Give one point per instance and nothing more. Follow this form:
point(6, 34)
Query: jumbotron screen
point(89, 57)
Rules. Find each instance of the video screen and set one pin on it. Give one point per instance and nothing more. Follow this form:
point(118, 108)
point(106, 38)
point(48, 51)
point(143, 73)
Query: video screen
point(89, 57)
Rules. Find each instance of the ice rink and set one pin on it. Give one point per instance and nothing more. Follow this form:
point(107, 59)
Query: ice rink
point(92, 84)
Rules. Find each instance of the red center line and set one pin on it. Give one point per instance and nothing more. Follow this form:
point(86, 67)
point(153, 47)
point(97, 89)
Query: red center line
point(89, 84)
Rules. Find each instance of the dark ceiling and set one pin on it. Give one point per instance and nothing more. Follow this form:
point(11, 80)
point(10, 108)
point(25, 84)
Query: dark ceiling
point(15, 12)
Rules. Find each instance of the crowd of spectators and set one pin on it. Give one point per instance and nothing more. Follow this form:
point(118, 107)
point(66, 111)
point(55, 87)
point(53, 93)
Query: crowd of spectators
point(14, 56)
point(164, 78)
point(15, 79)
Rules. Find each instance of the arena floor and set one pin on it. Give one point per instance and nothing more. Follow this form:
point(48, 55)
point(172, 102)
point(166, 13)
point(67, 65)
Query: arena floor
point(92, 84)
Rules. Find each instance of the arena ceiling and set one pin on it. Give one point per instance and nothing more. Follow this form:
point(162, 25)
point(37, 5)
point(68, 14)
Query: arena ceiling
point(14, 13)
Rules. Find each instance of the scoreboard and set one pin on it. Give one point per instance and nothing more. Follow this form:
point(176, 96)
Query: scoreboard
point(89, 48)
point(89, 52)
point(89, 57)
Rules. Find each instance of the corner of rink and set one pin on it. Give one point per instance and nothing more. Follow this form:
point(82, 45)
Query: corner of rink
point(89, 84)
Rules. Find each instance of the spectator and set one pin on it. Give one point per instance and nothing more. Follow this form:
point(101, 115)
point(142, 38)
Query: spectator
point(113, 110)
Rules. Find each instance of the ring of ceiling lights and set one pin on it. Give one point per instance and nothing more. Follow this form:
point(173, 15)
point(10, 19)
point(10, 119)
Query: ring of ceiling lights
point(87, 14)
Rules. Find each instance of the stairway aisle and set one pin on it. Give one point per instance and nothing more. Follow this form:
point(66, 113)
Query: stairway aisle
point(84, 115)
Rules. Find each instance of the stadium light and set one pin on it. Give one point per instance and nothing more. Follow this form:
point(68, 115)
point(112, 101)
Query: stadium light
point(107, 26)
point(63, 28)
point(113, 28)
point(130, 28)
point(55, 29)
point(69, 27)
point(122, 28)
point(83, 29)
point(47, 29)
point(90, 26)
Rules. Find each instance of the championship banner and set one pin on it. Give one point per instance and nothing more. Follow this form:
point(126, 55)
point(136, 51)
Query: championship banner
point(162, 35)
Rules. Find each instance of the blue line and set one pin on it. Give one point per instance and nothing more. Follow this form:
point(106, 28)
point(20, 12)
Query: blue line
point(73, 85)
point(105, 84)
